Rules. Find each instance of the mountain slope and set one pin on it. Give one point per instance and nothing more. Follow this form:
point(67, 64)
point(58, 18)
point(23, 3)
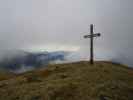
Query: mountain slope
point(74, 81)
point(22, 61)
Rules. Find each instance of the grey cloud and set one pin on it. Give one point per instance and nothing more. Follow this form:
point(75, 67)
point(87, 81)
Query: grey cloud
point(32, 23)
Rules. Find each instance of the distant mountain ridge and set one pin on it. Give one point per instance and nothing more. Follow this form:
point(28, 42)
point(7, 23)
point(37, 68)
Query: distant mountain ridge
point(30, 60)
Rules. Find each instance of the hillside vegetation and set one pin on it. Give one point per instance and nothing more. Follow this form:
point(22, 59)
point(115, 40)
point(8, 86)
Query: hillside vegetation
point(74, 81)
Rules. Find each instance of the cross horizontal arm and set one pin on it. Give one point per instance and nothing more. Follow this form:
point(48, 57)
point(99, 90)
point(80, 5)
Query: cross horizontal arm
point(94, 35)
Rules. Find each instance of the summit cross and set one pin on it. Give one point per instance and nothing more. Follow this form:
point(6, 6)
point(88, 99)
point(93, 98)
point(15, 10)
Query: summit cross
point(91, 36)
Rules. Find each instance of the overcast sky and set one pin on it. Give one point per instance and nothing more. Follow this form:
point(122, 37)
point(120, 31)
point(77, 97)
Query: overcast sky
point(53, 25)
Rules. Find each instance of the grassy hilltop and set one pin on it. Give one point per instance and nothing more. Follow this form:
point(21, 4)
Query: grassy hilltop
point(74, 81)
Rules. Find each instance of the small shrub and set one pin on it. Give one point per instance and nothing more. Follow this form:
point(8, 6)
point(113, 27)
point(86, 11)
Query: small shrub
point(33, 78)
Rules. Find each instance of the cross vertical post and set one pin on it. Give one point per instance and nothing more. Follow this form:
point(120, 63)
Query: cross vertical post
point(91, 44)
point(91, 36)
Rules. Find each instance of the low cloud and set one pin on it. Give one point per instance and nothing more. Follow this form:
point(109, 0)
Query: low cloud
point(52, 25)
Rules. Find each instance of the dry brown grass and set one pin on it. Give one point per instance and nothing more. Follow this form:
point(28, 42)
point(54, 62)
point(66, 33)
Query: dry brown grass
point(6, 75)
point(74, 81)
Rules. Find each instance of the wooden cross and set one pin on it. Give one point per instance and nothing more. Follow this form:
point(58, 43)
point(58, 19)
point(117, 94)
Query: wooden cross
point(91, 36)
